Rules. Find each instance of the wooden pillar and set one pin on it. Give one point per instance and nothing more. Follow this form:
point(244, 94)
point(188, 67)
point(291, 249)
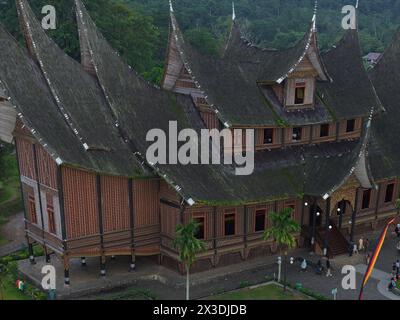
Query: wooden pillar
point(47, 255)
point(379, 190)
point(30, 250)
point(62, 207)
point(215, 235)
point(302, 211)
point(342, 209)
point(101, 227)
point(353, 217)
point(314, 221)
point(66, 271)
point(132, 265)
point(103, 265)
point(327, 224)
point(245, 233)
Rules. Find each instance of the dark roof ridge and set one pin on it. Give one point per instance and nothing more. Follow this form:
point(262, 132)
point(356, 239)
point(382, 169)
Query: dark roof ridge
point(22, 6)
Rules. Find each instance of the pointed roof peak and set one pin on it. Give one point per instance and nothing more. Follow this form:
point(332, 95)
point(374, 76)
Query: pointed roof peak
point(233, 11)
point(314, 18)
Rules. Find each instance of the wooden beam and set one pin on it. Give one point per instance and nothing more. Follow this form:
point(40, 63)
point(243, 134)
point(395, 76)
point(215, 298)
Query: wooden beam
point(132, 224)
point(101, 227)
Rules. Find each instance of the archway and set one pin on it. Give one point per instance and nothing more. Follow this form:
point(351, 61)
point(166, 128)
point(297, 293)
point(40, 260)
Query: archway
point(318, 213)
point(341, 212)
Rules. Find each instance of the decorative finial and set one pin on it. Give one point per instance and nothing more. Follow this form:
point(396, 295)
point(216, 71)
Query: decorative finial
point(233, 12)
point(171, 8)
point(314, 19)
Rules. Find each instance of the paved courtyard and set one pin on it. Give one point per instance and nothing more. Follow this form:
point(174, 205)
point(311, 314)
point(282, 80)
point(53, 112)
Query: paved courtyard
point(167, 284)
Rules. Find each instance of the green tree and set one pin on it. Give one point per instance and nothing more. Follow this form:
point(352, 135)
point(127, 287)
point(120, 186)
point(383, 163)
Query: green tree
point(283, 232)
point(129, 32)
point(188, 246)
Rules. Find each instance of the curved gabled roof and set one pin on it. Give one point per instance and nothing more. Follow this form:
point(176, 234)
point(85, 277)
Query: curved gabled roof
point(272, 65)
point(351, 93)
point(28, 91)
point(135, 106)
point(234, 84)
point(384, 152)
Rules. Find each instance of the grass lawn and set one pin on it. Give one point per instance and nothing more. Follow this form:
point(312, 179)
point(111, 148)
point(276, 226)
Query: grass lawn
point(266, 292)
point(9, 276)
point(8, 291)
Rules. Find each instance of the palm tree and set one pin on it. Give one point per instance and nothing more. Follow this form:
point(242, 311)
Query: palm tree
point(188, 246)
point(282, 232)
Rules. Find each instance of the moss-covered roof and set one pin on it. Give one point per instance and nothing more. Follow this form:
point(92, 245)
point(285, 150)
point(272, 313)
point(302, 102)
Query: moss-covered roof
point(384, 153)
point(114, 110)
point(236, 84)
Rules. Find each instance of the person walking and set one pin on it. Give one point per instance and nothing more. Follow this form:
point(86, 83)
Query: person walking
point(361, 245)
point(366, 245)
point(355, 249)
point(328, 268)
point(397, 267)
point(368, 258)
point(303, 266)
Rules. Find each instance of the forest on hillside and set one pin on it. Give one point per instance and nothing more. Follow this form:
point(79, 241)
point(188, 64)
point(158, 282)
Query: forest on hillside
point(138, 29)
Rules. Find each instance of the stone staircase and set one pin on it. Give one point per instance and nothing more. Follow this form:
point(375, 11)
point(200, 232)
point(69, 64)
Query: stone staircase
point(337, 243)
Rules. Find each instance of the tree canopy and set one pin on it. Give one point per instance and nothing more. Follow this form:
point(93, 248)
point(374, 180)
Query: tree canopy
point(138, 29)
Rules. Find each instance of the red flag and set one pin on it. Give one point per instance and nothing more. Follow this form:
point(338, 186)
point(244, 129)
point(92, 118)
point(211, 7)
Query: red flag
point(375, 257)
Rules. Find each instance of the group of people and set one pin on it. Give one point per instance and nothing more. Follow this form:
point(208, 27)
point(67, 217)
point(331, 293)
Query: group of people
point(319, 269)
point(395, 275)
point(361, 246)
point(397, 230)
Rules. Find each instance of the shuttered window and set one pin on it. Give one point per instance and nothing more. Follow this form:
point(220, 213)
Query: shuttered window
point(32, 209)
point(52, 223)
point(389, 192)
point(300, 92)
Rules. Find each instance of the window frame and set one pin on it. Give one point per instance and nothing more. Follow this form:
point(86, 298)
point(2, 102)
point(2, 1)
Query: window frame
point(300, 85)
point(353, 125)
point(369, 192)
point(272, 136)
point(325, 125)
point(233, 214)
point(257, 213)
point(301, 134)
point(392, 185)
point(32, 209)
point(51, 221)
point(203, 224)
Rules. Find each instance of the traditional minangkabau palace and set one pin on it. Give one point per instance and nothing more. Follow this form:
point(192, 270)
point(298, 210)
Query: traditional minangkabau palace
point(326, 141)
